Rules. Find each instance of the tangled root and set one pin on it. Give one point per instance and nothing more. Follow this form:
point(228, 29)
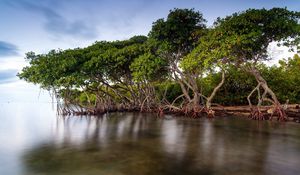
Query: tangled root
point(160, 112)
point(210, 113)
point(256, 114)
point(280, 113)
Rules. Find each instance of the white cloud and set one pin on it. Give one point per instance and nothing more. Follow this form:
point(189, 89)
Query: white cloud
point(277, 53)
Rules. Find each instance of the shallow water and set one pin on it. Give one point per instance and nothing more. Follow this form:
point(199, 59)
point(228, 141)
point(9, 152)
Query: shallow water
point(33, 140)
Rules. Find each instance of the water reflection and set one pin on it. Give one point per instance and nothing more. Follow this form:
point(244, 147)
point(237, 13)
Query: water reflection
point(143, 144)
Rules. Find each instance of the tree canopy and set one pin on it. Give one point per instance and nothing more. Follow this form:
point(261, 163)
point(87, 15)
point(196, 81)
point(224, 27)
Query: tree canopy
point(179, 52)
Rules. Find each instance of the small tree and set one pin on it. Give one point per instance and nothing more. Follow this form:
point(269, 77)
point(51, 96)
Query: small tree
point(175, 38)
point(209, 55)
point(248, 35)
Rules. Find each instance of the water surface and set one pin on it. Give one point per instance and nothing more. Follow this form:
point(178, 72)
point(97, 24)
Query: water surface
point(33, 140)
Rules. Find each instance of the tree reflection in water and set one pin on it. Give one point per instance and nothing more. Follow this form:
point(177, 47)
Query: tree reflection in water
point(131, 143)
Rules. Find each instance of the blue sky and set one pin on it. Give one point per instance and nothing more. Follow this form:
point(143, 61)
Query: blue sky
point(41, 25)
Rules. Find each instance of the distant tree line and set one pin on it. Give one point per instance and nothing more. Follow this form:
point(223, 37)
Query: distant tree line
point(182, 66)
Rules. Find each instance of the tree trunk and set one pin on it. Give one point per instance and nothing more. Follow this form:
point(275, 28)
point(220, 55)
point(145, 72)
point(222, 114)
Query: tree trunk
point(214, 92)
point(196, 100)
point(264, 85)
point(277, 108)
point(195, 89)
point(184, 90)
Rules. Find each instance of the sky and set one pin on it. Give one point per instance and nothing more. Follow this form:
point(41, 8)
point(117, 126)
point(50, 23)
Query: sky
point(42, 25)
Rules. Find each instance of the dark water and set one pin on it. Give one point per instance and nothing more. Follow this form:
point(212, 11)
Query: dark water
point(33, 140)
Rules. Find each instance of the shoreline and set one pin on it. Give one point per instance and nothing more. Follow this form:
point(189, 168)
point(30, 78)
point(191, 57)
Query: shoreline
point(292, 111)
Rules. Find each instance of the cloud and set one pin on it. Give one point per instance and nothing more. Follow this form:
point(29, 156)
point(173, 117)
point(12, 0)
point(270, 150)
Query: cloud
point(8, 49)
point(55, 23)
point(7, 76)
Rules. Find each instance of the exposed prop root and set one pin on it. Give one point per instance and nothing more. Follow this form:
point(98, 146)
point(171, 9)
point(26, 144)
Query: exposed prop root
point(279, 111)
point(256, 114)
point(196, 112)
point(185, 110)
point(160, 112)
point(210, 113)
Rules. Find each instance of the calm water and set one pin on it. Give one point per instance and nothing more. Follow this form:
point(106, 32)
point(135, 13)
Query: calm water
point(33, 140)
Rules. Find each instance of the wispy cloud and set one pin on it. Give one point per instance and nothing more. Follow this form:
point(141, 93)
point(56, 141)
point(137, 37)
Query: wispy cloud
point(55, 23)
point(8, 49)
point(8, 75)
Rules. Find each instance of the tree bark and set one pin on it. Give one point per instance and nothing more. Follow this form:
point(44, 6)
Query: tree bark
point(214, 92)
point(267, 90)
point(264, 85)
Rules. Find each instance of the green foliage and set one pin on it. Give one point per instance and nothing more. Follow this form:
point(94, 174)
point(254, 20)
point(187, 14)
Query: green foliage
point(211, 52)
point(236, 88)
point(170, 90)
point(284, 79)
point(148, 67)
point(249, 33)
point(178, 32)
point(113, 62)
point(55, 69)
